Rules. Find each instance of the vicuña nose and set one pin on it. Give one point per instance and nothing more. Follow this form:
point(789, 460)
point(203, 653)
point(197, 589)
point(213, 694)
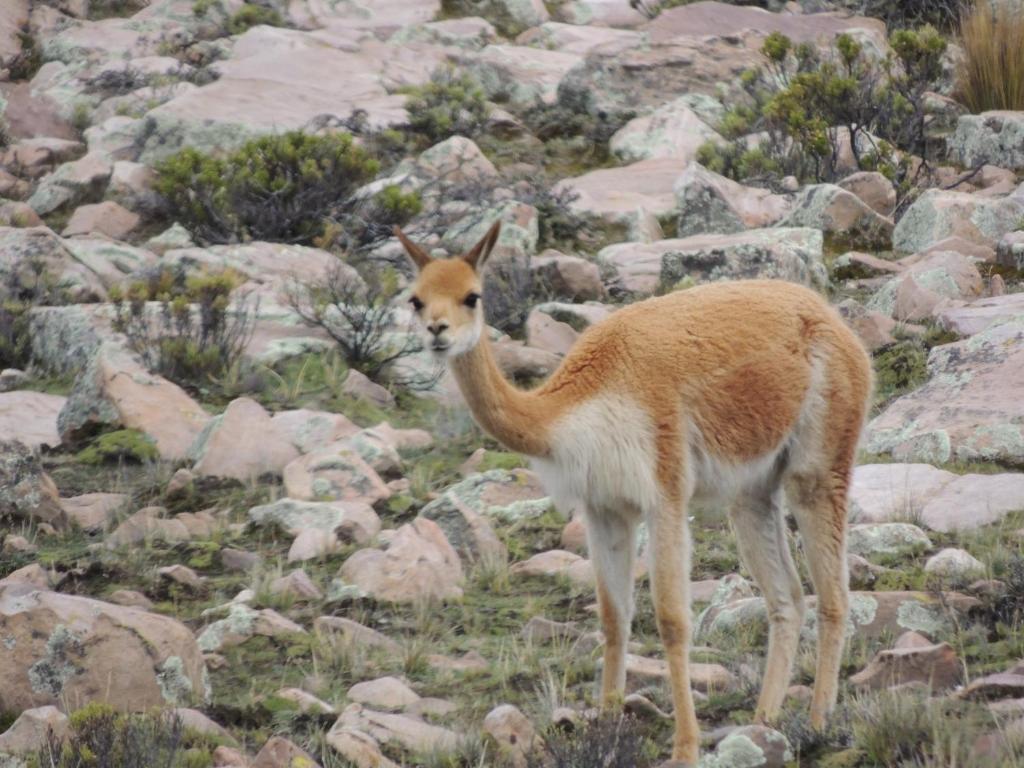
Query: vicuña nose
point(437, 328)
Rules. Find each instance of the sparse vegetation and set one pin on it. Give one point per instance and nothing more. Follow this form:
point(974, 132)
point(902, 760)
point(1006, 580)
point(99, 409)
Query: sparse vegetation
point(449, 104)
point(990, 74)
point(28, 285)
point(249, 16)
point(121, 445)
point(185, 327)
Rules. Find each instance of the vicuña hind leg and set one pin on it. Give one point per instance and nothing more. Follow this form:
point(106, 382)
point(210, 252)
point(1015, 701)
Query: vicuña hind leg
point(761, 535)
point(670, 588)
point(819, 505)
point(611, 539)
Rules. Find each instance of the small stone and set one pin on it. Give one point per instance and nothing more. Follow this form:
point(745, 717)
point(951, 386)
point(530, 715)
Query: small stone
point(32, 730)
point(181, 485)
point(312, 544)
point(183, 575)
point(955, 564)
point(341, 631)
point(388, 693)
point(18, 544)
point(297, 585)
point(513, 732)
point(281, 753)
point(239, 559)
point(306, 702)
point(937, 666)
point(130, 598)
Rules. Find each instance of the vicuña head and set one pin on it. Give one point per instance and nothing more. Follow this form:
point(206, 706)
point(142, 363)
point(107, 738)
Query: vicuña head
point(448, 293)
point(743, 392)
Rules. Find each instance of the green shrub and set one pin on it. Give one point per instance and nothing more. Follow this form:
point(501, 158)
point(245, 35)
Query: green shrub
point(899, 368)
point(193, 334)
point(101, 737)
point(803, 103)
point(252, 16)
point(451, 104)
point(121, 445)
point(990, 74)
point(278, 188)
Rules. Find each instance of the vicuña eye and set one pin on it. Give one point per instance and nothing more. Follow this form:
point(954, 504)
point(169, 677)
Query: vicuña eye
point(416, 303)
point(471, 300)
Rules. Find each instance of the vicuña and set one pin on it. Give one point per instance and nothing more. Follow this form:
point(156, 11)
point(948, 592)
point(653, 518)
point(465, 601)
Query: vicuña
point(747, 392)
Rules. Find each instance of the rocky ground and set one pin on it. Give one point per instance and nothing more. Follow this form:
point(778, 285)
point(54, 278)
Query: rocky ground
point(300, 564)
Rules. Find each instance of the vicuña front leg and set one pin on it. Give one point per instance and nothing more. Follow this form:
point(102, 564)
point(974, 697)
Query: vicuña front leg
point(670, 587)
point(611, 539)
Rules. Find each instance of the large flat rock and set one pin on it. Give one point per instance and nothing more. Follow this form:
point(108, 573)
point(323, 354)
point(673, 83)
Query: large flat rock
point(940, 500)
point(30, 418)
point(970, 409)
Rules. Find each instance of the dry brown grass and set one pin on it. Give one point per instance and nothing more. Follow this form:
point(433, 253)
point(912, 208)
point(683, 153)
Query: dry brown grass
point(991, 74)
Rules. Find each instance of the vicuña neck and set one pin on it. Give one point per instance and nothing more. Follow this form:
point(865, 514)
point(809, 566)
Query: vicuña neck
point(519, 420)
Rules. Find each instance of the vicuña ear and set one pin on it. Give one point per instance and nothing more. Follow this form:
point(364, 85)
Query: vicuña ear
point(476, 257)
point(419, 257)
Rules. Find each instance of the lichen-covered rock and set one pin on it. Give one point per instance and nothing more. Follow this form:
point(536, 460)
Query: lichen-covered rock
point(673, 130)
point(335, 473)
point(939, 213)
point(469, 32)
point(787, 254)
point(846, 220)
point(977, 315)
point(509, 495)
point(708, 202)
point(872, 614)
point(418, 564)
point(874, 329)
point(243, 623)
point(466, 529)
point(26, 492)
point(750, 746)
point(868, 539)
point(523, 76)
point(72, 183)
point(60, 648)
point(968, 410)
point(115, 390)
point(242, 443)
point(991, 137)
point(22, 249)
point(957, 564)
point(928, 286)
point(352, 520)
point(1010, 250)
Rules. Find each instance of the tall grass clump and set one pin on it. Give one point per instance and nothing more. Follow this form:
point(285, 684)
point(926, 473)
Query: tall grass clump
point(991, 72)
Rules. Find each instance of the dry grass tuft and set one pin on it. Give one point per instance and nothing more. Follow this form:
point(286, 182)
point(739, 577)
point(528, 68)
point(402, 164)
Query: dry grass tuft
point(990, 75)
